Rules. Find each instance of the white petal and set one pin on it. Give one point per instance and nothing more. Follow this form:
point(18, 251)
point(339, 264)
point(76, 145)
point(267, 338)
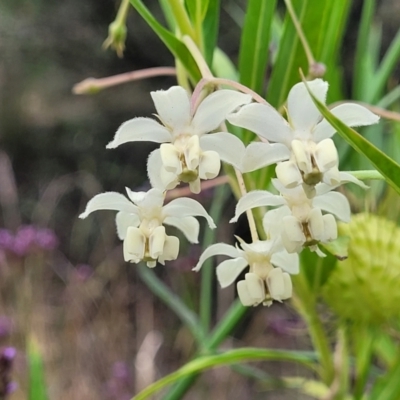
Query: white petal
point(156, 242)
point(256, 286)
point(350, 114)
point(316, 224)
point(109, 201)
point(210, 165)
point(292, 228)
point(170, 157)
point(230, 148)
point(217, 249)
point(153, 198)
point(289, 262)
point(334, 203)
point(192, 152)
point(159, 177)
point(173, 107)
point(123, 221)
point(195, 186)
point(332, 177)
point(185, 207)
point(256, 198)
point(214, 109)
point(263, 120)
point(302, 155)
point(188, 225)
point(302, 111)
point(134, 245)
point(259, 154)
point(140, 129)
point(326, 155)
point(330, 228)
point(287, 293)
point(171, 249)
point(345, 177)
point(229, 270)
point(276, 284)
point(272, 221)
point(288, 174)
point(244, 295)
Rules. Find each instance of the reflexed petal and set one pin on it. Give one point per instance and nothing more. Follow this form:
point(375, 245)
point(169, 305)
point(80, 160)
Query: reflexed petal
point(289, 262)
point(256, 286)
point(109, 201)
point(230, 148)
point(302, 155)
point(316, 224)
point(345, 177)
point(244, 295)
point(272, 221)
point(170, 158)
point(215, 107)
point(332, 177)
point(330, 228)
point(263, 120)
point(134, 245)
point(288, 174)
point(217, 249)
point(229, 270)
point(334, 203)
point(156, 242)
point(173, 107)
point(123, 221)
point(350, 114)
point(287, 294)
point(259, 154)
point(171, 249)
point(192, 152)
point(195, 186)
point(159, 177)
point(188, 225)
point(302, 111)
point(210, 165)
point(326, 155)
point(153, 198)
point(256, 198)
point(140, 129)
point(276, 284)
point(185, 207)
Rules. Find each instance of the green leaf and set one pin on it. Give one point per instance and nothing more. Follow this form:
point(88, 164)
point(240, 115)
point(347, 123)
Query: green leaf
point(176, 47)
point(227, 358)
point(254, 45)
point(37, 386)
point(210, 29)
point(389, 168)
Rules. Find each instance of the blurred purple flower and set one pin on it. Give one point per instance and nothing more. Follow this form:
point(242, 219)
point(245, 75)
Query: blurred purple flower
point(119, 386)
point(7, 356)
point(46, 239)
point(24, 239)
point(6, 326)
point(83, 272)
point(6, 239)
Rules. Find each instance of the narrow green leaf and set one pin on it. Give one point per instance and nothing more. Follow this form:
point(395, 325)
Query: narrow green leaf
point(210, 29)
point(227, 358)
point(37, 386)
point(389, 168)
point(176, 47)
point(254, 45)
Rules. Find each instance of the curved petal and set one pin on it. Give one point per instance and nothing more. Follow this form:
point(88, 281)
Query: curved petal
point(288, 174)
point(244, 294)
point(326, 155)
point(230, 148)
point(350, 114)
point(256, 286)
point(256, 198)
point(222, 249)
point(214, 109)
point(156, 242)
point(140, 129)
point(188, 225)
point(260, 154)
point(263, 120)
point(345, 177)
point(334, 203)
point(153, 198)
point(185, 207)
point(173, 107)
point(171, 249)
point(159, 177)
point(123, 221)
point(109, 201)
point(195, 185)
point(134, 245)
point(229, 270)
point(170, 157)
point(302, 111)
point(272, 221)
point(210, 165)
point(288, 262)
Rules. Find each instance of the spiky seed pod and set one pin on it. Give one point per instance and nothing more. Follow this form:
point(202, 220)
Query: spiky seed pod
point(365, 287)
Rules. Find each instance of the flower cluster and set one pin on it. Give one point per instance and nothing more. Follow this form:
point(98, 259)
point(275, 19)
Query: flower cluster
point(193, 144)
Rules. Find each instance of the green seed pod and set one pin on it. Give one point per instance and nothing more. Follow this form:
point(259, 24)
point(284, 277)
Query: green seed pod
point(365, 286)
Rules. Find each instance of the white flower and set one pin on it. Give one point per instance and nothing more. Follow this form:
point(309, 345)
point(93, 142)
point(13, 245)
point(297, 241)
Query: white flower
point(187, 153)
point(313, 156)
point(263, 283)
point(299, 221)
point(140, 223)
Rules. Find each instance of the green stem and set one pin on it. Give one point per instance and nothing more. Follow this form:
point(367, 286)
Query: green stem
point(181, 18)
point(367, 174)
point(207, 271)
point(122, 12)
point(173, 302)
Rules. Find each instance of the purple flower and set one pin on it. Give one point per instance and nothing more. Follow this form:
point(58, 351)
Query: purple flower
point(46, 239)
point(6, 239)
point(24, 240)
point(7, 356)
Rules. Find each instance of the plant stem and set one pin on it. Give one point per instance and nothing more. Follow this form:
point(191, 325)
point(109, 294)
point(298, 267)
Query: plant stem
point(181, 18)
